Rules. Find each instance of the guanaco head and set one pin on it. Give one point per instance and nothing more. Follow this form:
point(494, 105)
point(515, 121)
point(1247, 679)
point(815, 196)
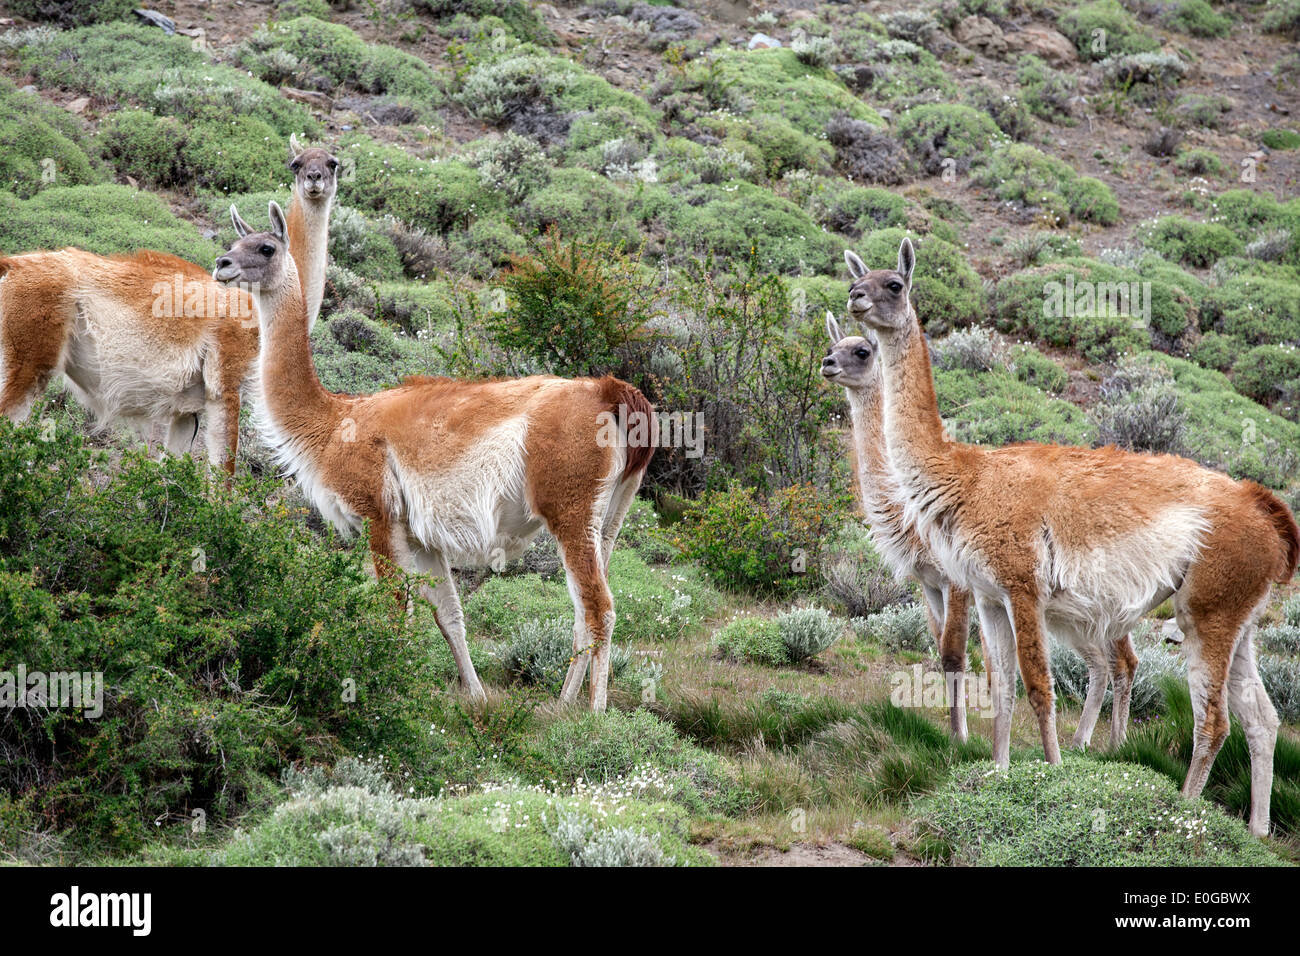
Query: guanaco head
point(880, 298)
point(257, 259)
point(851, 359)
point(315, 170)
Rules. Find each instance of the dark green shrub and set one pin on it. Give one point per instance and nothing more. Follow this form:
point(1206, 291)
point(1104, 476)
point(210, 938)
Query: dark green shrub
point(1034, 368)
point(744, 219)
point(1199, 162)
point(1262, 372)
point(1020, 173)
point(767, 546)
point(936, 133)
point(72, 13)
point(229, 640)
point(1256, 309)
point(145, 147)
point(946, 291)
point(1084, 813)
point(753, 639)
point(1103, 28)
point(41, 145)
point(141, 65)
point(574, 306)
point(1283, 16)
point(1198, 18)
point(1045, 92)
point(1197, 244)
point(236, 155)
point(1217, 351)
point(1280, 139)
point(106, 219)
point(995, 408)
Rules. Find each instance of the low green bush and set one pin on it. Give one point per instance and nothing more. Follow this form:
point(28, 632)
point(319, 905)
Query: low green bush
point(1034, 368)
point(105, 219)
point(1265, 370)
point(767, 546)
point(1103, 28)
point(754, 639)
point(1283, 16)
point(1045, 92)
point(72, 13)
point(1198, 18)
point(1199, 162)
point(938, 133)
point(1197, 244)
point(896, 629)
point(1020, 173)
point(42, 145)
point(1081, 813)
point(160, 581)
point(997, 408)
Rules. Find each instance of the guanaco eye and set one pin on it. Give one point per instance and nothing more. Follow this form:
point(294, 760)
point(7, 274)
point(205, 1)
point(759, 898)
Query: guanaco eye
point(267, 250)
point(895, 287)
point(862, 353)
point(295, 165)
point(333, 164)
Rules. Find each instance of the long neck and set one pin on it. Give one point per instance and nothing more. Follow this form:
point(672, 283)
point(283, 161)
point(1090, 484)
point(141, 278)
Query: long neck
point(309, 223)
point(918, 448)
point(298, 406)
point(866, 412)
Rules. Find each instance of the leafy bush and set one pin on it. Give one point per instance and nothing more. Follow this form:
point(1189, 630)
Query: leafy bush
point(41, 145)
point(1198, 18)
point(72, 13)
point(1020, 173)
point(896, 629)
point(1199, 162)
point(1283, 16)
point(936, 133)
point(146, 147)
point(1257, 309)
point(1193, 243)
point(806, 632)
point(1103, 28)
point(1045, 92)
point(229, 641)
point(106, 219)
point(1142, 73)
point(578, 836)
point(1034, 368)
point(754, 639)
point(1264, 372)
point(1081, 813)
point(574, 306)
point(997, 408)
point(1280, 138)
point(767, 546)
point(141, 65)
point(974, 350)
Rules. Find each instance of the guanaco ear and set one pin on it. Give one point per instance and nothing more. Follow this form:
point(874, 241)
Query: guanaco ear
point(294, 146)
point(906, 261)
point(833, 328)
point(857, 268)
point(279, 228)
point(241, 227)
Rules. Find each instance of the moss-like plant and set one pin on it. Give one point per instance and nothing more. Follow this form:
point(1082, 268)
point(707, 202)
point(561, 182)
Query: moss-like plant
point(42, 145)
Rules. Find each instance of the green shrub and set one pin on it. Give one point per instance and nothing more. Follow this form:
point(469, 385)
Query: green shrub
point(1257, 309)
point(730, 222)
point(806, 632)
point(1262, 372)
point(72, 13)
point(310, 49)
point(1045, 92)
point(1104, 28)
point(937, 133)
point(539, 652)
point(145, 147)
point(1208, 110)
point(105, 219)
point(1034, 368)
point(946, 291)
point(237, 155)
point(160, 580)
point(1281, 677)
point(1156, 664)
point(896, 629)
point(1018, 172)
point(1198, 18)
point(1283, 16)
point(41, 145)
point(1280, 638)
point(1217, 351)
point(995, 408)
point(1165, 746)
point(1192, 243)
point(754, 639)
point(141, 65)
point(574, 306)
point(1081, 813)
point(1280, 139)
point(1199, 162)
point(762, 545)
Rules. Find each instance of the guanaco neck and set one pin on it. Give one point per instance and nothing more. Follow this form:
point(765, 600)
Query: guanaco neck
point(916, 443)
point(299, 407)
point(309, 222)
point(866, 413)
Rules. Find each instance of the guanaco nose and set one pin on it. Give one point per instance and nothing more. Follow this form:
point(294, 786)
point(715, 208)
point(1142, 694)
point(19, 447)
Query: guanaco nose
point(828, 361)
point(225, 261)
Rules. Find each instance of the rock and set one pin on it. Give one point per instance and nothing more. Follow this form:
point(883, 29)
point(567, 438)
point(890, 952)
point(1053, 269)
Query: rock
point(310, 97)
point(761, 41)
point(78, 105)
point(668, 24)
point(1163, 141)
point(1045, 43)
point(154, 18)
point(981, 33)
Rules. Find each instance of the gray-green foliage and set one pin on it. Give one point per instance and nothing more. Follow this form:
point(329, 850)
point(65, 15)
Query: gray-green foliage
point(1281, 677)
point(902, 628)
point(1155, 664)
point(586, 845)
point(806, 632)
